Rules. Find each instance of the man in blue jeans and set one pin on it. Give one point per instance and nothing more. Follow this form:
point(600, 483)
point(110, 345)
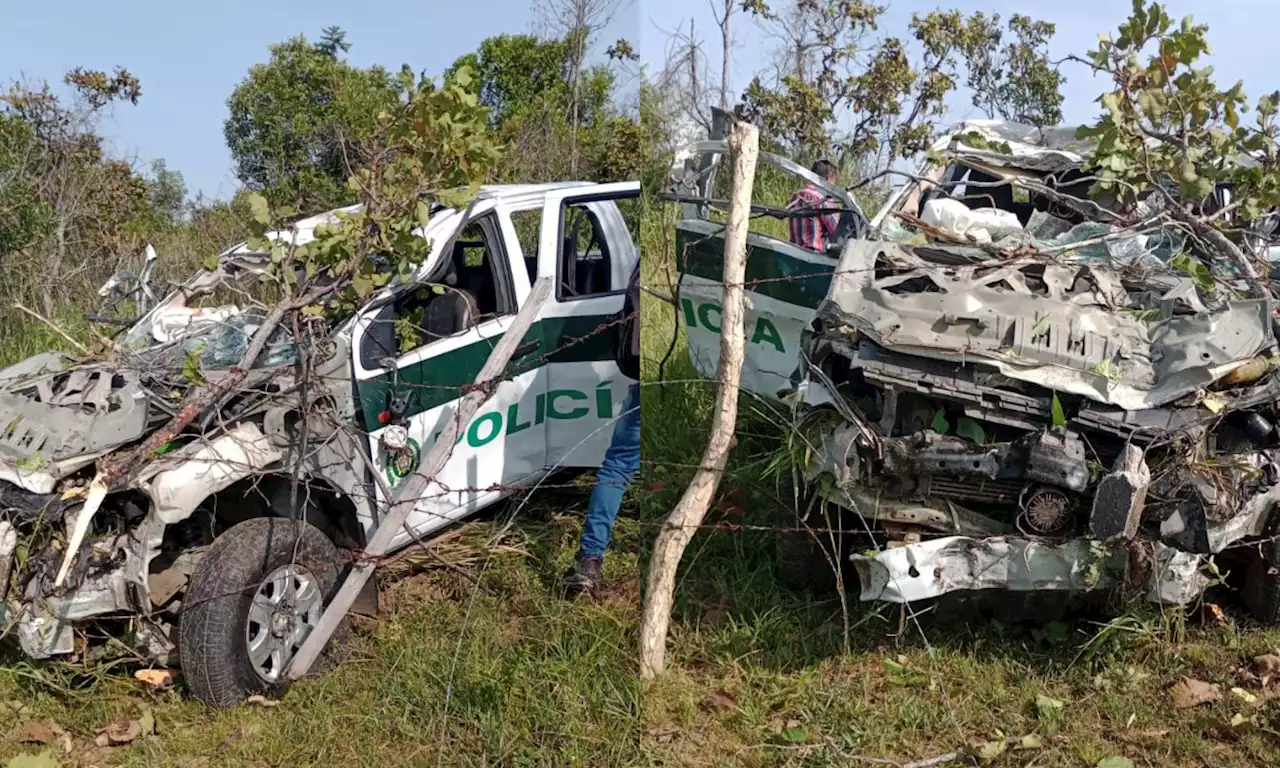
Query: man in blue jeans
point(621, 461)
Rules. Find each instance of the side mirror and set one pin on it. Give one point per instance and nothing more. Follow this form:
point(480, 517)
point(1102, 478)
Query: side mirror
point(112, 289)
point(112, 285)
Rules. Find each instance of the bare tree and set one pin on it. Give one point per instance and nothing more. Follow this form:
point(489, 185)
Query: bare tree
point(796, 40)
point(723, 20)
point(682, 79)
point(577, 22)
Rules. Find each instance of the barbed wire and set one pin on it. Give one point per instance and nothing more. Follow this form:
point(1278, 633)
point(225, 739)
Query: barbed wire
point(310, 454)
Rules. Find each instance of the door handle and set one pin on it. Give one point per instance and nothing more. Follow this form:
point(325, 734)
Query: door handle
point(527, 349)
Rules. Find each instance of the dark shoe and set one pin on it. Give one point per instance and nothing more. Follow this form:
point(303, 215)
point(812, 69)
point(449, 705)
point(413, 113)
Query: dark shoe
point(583, 575)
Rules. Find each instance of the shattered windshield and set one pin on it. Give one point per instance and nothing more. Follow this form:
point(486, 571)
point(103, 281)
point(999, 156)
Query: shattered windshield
point(981, 205)
point(213, 317)
point(1018, 190)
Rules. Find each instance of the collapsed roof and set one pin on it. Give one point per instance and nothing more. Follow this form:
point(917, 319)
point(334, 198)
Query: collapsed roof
point(997, 256)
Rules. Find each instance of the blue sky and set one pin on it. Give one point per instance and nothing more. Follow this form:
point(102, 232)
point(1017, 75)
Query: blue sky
point(1238, 34)
point(189, 56)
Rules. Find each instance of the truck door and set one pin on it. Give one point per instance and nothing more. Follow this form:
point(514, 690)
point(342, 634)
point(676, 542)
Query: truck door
point(587, 241)
point(414, 354)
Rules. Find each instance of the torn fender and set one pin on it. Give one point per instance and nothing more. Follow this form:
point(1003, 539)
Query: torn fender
point(961, 563)
point(180, 481)
point(192, 474)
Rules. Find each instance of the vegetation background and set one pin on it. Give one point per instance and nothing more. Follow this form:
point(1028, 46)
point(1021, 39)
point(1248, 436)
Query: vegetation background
point(501, 670)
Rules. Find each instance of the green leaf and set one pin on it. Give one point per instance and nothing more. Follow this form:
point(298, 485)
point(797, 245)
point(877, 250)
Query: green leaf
point(991, 750)
point(163, 449)
point(43, 760)
point(33, 463)
point(1031, 741)
point(313, 310)
point(1059, 416)
point(1115, 762)
point(940, 423)
point(795, 735)
point(1047, 706)
point(191, 370)
point(258, 209)
point(1194, 269)
point(424, 214)
point(405, 77)
point(211, 262)
point(970, 430)
point(363, 286)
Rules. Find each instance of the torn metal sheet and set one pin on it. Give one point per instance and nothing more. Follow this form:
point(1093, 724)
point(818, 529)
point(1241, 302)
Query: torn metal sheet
point(1056, 326)
point(55, 416)
point(179, 482)
point(960, 563)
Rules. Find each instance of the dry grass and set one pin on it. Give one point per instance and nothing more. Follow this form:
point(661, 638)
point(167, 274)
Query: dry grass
point(759, 675)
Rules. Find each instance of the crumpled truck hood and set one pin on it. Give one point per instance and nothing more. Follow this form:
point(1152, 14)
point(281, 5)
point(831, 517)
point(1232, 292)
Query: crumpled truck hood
point(51, 413)
point(1067, 327)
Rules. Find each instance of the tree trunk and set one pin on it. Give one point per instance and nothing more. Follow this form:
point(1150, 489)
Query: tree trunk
point(52, 271)
point(724, 56)
point(680, 525)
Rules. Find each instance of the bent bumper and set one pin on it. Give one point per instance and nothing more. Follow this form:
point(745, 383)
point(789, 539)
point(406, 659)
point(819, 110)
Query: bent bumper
point(961, 563)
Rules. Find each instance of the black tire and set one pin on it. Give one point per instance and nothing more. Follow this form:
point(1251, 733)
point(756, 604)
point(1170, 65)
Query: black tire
point(806, 559)
point(1261, 589)
point(213, 645)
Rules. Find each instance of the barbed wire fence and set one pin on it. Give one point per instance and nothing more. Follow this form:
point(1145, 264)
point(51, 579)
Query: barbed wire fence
point(770, 409)
point(319, 430)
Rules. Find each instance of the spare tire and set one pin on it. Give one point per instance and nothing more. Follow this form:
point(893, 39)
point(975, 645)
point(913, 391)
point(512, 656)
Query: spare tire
point(251, 602)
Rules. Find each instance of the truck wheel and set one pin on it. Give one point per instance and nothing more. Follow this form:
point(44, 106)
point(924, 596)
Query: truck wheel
point(251, 602)
point(1261, 589)
point(801, 555)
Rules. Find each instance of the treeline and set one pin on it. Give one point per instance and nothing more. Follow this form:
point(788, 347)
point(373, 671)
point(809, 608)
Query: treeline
point(298, 125)
point(840, 83)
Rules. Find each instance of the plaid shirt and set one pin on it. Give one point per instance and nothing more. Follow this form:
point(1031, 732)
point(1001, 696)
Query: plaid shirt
point(811, 232)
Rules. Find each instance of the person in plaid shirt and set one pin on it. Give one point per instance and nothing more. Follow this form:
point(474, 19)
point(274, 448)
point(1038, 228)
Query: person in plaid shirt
point(814, 232)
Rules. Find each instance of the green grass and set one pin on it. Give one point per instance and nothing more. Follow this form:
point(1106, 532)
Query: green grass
point(510, 674)
point(760, 676)
point(513, 675)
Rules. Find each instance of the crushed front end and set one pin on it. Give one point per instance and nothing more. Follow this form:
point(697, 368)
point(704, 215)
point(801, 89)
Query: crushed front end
point(1041, 426)
point(75, 569)
point(1016, 413)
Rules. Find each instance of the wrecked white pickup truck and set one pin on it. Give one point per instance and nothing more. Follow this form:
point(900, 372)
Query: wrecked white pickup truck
point(221, 551)
point(1011, 394)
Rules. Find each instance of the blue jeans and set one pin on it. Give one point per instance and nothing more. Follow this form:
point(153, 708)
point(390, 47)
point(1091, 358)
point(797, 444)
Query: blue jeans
point(620, 464)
